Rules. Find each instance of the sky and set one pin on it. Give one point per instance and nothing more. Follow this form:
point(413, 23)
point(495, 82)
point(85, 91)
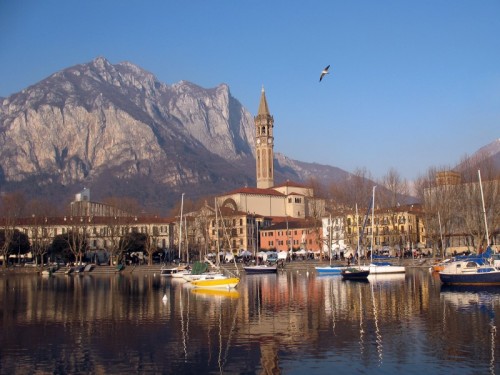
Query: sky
point(412, 84)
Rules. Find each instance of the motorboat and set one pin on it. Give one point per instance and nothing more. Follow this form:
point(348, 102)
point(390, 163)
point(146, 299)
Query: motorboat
point(470, 272)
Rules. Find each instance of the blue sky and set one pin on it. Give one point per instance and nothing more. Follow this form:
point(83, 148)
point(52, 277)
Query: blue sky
point(413, 84)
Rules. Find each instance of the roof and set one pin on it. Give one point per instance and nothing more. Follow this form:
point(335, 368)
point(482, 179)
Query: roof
point(263, 107)
point(257, 191)
point(290, 224)
point(292, 184)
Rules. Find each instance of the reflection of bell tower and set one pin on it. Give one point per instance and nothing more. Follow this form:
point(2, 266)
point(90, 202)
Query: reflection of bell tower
point(264, 154)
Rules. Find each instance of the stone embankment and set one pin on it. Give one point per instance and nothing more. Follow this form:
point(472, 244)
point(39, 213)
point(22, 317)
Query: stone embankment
point(297, 265)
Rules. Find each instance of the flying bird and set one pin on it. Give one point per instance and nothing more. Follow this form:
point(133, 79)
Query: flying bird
point(324, 73)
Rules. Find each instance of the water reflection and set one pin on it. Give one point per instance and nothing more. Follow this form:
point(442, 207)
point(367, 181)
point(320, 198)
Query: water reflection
point(293, 322)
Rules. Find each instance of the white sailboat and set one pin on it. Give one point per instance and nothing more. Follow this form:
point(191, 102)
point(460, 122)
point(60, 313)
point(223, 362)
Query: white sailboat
point(376, 268)
point(216, 281)
point(330, 269)
point(259, 268)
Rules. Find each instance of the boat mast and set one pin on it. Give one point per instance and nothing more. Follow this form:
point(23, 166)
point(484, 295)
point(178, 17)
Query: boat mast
point(180, 227)
point(441, 235)
point(358, 249)
point(484, 209)
point(373, 222)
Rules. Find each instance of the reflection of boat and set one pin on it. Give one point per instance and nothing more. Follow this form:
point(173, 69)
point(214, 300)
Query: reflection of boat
point(260, 268)
point(387, 277)
point(232, 293)
point(351, 273)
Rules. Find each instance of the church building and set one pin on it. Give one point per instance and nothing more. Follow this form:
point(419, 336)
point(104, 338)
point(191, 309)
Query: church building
point(267, 199)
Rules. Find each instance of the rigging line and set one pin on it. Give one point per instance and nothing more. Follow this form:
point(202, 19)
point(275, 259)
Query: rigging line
point(229, 243)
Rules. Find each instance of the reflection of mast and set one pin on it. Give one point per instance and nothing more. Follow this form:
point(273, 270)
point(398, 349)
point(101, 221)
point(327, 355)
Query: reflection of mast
point(184, 328)
point(361, 330)
point(493, 330)
point(378, 336)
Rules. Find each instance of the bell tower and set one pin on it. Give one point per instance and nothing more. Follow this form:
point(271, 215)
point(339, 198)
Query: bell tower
point(264, 147)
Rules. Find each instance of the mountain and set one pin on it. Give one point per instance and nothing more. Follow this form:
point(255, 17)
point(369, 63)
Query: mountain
point(487, 158)
point(119, 131)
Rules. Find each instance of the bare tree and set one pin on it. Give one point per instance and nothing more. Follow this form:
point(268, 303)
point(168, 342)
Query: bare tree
point(396, 187)
point(356, 189)
point(11, 207)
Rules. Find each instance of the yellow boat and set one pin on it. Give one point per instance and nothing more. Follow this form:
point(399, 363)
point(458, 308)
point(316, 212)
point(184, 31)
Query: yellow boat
point(217, 282)
point(231, 293)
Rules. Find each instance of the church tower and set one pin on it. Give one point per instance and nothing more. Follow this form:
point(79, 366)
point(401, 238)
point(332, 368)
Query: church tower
point(264, 145)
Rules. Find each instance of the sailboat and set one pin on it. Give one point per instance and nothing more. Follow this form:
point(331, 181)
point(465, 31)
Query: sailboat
point(475, 270)
point(262, 268)
point(171, 271)
point(216, 281)
point(330, 269)
point(354, 272)
point(380, 267)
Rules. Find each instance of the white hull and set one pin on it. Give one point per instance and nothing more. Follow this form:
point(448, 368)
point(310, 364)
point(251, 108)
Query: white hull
point(383, 269)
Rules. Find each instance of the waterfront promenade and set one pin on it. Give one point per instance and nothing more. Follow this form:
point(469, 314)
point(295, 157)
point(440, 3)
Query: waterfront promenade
point(296, 265)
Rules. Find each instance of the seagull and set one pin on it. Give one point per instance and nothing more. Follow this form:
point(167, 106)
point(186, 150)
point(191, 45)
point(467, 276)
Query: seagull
point(324, 73)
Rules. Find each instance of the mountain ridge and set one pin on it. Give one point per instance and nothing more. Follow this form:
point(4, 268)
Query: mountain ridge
point(118, 130)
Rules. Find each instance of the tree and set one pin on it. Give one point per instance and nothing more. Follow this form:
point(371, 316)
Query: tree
point(11, 207)
point(395, 188)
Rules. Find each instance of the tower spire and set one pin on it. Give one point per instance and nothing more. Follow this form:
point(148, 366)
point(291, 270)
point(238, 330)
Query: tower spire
point(264, 145)
point(263, 107)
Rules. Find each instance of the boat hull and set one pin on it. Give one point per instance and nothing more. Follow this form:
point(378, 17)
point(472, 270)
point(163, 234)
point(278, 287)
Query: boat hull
point(262, 269)
point(377, 269)
point(217, 283)
point(355, 274)
point(330, 270)
point(478, 278)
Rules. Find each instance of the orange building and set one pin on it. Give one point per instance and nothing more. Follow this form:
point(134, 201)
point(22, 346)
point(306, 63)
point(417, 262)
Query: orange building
point(295, 235)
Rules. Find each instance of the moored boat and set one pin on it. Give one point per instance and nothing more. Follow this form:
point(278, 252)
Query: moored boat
point(260, 269)
point(470, 272)
point(351, 273)
point(217, 282)
point(377, 268)
point(330, 270)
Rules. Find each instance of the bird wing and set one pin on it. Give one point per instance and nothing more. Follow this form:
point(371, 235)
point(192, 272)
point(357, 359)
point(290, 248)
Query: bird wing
point(325, 71)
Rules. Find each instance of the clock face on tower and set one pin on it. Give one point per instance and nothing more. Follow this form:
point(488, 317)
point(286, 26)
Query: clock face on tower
point(269, 140)
point(258, 141)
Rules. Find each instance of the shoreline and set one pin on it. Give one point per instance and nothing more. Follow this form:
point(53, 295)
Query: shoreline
point(306, 265)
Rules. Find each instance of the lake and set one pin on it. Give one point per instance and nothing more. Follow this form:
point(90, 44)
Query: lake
point(294, 322)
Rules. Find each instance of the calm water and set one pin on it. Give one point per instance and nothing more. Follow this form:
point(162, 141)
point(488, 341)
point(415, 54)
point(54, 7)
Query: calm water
point(290, 323)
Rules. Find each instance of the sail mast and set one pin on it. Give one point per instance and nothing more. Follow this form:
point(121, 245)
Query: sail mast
point(180, 227)
point(484, 209)
point(373, 222)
